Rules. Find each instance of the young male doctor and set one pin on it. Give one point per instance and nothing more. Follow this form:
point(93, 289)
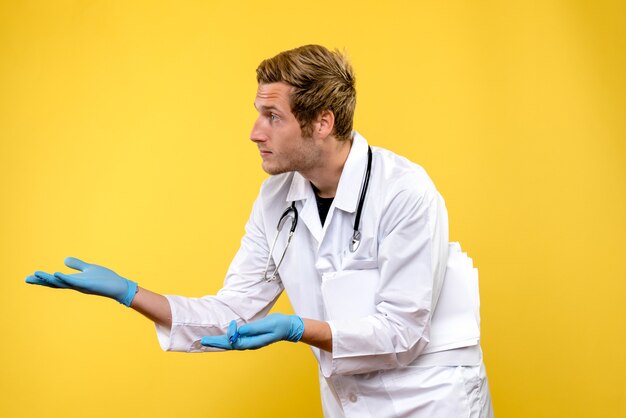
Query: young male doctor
point(358, 237)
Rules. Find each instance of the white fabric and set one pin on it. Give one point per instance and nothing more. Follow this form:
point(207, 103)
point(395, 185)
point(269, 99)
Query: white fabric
point(444, 391)
point(404, 231)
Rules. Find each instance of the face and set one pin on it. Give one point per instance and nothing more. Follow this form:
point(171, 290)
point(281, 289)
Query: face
point(278, 135)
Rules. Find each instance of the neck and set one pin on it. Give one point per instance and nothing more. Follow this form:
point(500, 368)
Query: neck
point(325, 175)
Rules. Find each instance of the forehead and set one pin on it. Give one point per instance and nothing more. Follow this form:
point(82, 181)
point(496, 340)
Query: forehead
point(273, 95)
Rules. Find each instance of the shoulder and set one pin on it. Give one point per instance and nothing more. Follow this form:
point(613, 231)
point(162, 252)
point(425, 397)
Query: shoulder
point(406, 194)
point(397, 175)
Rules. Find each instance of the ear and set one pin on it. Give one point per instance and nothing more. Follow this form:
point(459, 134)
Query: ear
point(324, 124)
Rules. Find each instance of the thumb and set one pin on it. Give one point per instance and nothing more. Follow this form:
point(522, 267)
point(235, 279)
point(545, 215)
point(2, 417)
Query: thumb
point(76, 264)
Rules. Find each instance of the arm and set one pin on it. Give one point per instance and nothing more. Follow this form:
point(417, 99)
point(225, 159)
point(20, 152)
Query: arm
point(195, 317)
point(273, 328)
point(317, 334)
point(153, 306)
point(97, 280)
point(182, 321)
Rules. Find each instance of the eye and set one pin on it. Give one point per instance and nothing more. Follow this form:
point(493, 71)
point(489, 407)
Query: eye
point(273, 117)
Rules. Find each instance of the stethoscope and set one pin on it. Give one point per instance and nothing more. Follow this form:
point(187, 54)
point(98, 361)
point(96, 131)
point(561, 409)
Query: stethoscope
point(292, 212)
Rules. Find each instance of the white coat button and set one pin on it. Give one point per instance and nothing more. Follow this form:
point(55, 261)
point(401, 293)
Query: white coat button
point(352, 398)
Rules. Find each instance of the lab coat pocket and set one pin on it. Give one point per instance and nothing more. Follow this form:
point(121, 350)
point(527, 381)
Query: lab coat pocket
point(365, 256)
point(412, 390)
point(350, 294)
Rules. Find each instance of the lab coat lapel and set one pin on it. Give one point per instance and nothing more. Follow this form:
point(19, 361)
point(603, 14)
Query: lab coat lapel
point(352, 176)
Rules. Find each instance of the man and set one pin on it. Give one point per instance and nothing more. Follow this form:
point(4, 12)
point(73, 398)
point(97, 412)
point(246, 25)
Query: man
point(362, 251)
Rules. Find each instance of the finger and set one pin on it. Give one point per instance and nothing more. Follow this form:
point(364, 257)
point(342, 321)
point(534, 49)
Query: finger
point(76, 264)
point(262, 326)
point(69, 280)
point(254, 342)
point(232, 333)
point(217, 341)
point(36, 280)
point(50, 280)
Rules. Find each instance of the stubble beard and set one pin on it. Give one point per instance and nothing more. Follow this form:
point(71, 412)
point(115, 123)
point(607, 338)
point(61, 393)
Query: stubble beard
point(302, 159)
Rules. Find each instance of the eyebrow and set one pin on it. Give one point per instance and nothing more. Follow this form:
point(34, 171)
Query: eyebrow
point(267, 108)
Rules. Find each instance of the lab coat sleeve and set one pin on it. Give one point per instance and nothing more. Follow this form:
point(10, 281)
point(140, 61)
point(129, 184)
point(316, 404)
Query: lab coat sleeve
point(412, 255)
point(244, 296)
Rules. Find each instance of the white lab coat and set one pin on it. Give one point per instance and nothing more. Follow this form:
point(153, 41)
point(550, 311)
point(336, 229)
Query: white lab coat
point(375, 368)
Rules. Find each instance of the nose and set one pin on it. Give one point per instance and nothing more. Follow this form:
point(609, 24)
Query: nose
point(257, 135)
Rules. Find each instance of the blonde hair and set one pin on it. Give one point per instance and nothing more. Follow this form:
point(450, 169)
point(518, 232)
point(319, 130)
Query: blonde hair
point(321, 80)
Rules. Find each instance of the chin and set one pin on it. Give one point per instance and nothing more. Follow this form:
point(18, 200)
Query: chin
point(273, 170)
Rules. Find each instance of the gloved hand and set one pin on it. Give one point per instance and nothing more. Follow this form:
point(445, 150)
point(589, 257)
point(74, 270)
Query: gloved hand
point(272, 328)
point(94, 280)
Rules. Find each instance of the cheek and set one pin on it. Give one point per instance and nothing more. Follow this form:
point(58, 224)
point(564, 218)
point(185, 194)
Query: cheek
point(293, 127)
point(288, 137)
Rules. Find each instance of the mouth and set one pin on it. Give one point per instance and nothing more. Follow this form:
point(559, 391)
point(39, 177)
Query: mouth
point(264, 152)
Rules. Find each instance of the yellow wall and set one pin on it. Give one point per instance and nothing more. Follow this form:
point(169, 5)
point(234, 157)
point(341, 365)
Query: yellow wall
point(123, 141)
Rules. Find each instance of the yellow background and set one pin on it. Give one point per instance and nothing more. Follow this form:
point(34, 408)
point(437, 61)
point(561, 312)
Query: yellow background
point(124, 141)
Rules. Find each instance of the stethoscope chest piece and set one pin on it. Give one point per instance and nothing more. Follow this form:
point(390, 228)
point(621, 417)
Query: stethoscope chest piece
point(355, 241)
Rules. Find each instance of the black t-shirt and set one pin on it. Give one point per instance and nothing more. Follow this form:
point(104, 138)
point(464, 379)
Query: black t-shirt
point(323, 205)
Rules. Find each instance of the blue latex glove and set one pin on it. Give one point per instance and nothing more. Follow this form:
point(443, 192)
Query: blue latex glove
point(94, 280)
point(272, 328)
